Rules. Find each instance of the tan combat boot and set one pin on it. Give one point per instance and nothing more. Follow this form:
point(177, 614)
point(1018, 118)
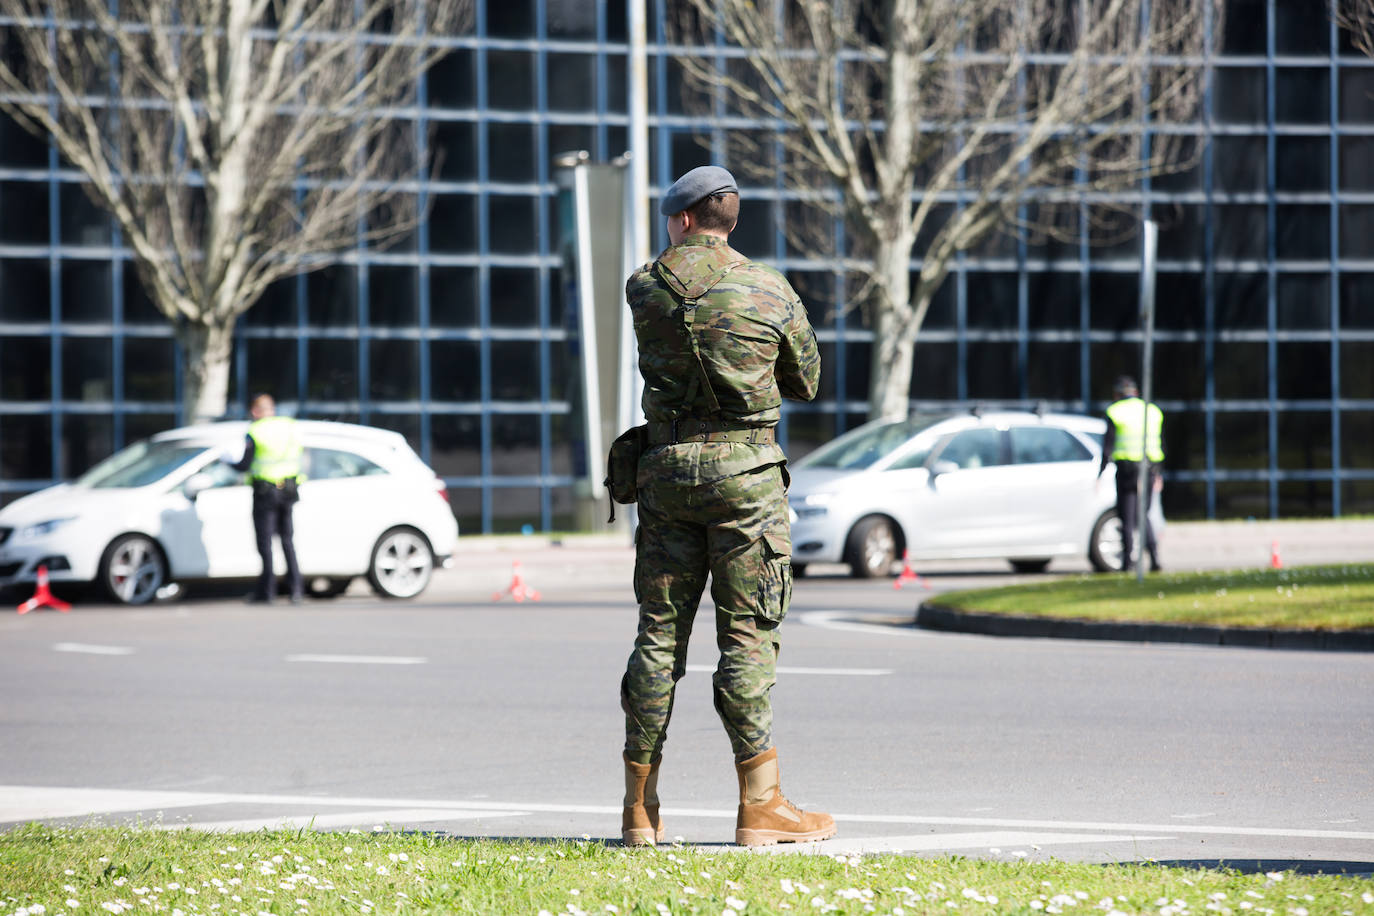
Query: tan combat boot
point(765, 816)
point(639, 824)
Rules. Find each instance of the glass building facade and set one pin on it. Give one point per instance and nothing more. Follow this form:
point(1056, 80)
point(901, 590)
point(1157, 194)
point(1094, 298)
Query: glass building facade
point(460, 339)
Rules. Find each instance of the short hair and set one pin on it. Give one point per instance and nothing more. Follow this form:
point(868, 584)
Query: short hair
point(262, 397)
point(716, 212)
point(1125, 385)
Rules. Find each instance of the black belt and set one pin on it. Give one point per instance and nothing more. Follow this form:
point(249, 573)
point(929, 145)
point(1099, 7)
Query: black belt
point(272, 483)
point(690, 429)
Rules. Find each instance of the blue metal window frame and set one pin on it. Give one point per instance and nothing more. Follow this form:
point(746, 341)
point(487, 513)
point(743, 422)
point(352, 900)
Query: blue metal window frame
point(840, 333)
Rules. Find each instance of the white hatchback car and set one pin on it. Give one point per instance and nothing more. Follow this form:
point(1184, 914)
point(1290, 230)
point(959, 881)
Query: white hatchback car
point(166, 509)
point(1010, 485)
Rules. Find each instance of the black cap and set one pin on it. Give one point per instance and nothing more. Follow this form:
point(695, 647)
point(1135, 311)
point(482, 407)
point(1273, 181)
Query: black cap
point(702, 181)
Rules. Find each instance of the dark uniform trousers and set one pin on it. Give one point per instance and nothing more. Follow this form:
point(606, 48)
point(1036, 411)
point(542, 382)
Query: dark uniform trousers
point(1128, 508)
point(272, 517)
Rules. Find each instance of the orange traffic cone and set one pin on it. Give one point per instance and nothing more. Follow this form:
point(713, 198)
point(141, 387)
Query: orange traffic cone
point(517, 588)
point(907, 574)
point(1274, 561)
point(43, 596)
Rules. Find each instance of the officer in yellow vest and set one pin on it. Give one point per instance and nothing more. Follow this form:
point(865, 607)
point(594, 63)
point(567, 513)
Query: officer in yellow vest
point(272, 458)
point(1134, 442)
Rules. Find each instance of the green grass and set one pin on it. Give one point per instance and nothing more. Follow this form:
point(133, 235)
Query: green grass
point(50, 871)
point(1304, 598)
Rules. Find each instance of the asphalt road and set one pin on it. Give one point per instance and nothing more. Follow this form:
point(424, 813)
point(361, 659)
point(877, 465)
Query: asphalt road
point(474, 716)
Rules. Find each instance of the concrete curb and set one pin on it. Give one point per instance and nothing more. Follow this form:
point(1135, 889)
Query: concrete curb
point(931, 616)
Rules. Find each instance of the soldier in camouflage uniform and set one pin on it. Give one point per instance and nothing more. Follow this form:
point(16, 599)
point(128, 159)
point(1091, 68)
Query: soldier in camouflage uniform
point(722, 340)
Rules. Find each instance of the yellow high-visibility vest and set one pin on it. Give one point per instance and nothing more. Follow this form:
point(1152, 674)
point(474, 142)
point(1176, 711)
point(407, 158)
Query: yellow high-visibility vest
point(1138, 431)
point(278, 449)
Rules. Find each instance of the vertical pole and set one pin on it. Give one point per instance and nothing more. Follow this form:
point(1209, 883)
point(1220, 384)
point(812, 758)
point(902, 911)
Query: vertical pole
point(636, 201)
point(1147, 318)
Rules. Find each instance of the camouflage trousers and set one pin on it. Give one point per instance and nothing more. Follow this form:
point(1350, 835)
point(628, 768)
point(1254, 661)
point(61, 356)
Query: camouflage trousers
point(736, 531)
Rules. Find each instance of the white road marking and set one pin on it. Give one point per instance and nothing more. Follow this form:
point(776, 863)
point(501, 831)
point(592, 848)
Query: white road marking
point(1097, 825)
point(1190, 817)
point(844, 620)
point(21, 803)
point(932, 842)
point(784, 669)
point(28, 803)
point(393, 818)
point(359, 659)
point(87, 649)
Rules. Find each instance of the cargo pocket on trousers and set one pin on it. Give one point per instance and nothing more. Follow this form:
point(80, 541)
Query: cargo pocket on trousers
point(775, 577)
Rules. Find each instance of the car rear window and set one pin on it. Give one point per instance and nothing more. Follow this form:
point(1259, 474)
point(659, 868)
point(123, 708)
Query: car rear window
point(974, 448)
point(1044, 445)
point(333, 464)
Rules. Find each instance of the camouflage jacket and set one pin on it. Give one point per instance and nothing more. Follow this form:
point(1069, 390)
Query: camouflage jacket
point(755, 343)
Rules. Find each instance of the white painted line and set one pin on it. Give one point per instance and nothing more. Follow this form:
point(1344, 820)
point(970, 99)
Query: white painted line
point(784, 669)
point(359, 659)
point(370, 819)
point(1096, 825)
point(844, 621)
point(19, 803)
point(1005, 840)
point(28, 803)
point(87, 649)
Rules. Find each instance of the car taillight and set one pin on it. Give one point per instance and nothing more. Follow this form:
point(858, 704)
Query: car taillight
point(441, 489)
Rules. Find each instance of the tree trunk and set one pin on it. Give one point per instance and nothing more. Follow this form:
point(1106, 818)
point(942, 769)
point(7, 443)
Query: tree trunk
point(893, 337)
point(207, 349)
point(890, 375)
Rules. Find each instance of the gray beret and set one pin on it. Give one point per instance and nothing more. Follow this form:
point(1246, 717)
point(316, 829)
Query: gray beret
point(700, 182)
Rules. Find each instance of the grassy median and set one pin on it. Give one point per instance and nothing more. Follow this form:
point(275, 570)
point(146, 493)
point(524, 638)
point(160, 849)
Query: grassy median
point(1304, 598)
point(47, 871)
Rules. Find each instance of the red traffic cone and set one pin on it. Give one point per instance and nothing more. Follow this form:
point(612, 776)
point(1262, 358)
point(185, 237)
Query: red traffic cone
point(907, 574)
point(1275, 562)
point(517, 588)
point(43, 597)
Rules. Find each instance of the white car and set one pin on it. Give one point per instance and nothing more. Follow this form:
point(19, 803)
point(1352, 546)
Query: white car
point(1010, 485)
point(167, 509)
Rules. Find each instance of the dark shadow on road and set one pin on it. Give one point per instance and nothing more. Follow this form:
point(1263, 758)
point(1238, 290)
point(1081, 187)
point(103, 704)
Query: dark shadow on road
point(1262, 866)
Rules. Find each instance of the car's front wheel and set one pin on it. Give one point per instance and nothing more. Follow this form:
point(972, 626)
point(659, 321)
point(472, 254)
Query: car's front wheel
point(872, 548)
point(402, 564)
point(133, 569)
point(1104, 545)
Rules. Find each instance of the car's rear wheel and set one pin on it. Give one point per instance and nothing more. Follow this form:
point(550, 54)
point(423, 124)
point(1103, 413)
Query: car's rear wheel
point(402, 564)
point(321, 587)
point(871, 549)
point(1030, 566)
point(1104, 545)
point(132, 569)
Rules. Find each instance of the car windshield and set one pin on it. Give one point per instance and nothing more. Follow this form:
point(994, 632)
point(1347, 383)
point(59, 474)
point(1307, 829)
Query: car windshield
point(140, 464)
point(860, 448)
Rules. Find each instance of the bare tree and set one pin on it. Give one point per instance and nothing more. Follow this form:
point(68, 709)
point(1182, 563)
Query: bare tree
point(234, 142)
point(1356, 17)
point(932, 124)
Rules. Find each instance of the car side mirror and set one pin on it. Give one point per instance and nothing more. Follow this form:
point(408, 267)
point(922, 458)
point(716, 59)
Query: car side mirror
point(195, 484)
point(942, 467)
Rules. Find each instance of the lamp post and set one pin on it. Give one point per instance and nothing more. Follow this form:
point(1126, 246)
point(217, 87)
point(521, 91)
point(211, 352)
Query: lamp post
point(1147, 319)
